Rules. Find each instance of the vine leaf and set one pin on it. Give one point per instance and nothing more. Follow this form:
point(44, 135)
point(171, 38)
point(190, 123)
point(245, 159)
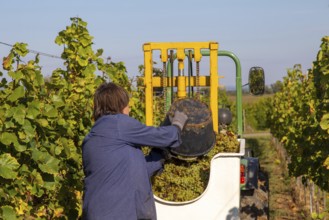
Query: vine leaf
point(8, 166)
point(8, 138)
point(8, 212)
point(46, 162)
point(51, 112)
point(17, 93)
point(325, 122)
point(7, 61)
point(326, 163)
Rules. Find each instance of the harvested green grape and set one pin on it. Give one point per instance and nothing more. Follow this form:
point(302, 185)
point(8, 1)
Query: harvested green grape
point(186, 180)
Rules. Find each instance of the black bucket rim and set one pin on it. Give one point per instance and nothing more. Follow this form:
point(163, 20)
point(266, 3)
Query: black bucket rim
point(195, 155)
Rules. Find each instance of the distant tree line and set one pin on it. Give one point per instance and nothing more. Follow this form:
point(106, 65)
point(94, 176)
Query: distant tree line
point(269, 89)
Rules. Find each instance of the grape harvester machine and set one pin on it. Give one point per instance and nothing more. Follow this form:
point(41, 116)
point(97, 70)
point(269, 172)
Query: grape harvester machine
point(221, 198)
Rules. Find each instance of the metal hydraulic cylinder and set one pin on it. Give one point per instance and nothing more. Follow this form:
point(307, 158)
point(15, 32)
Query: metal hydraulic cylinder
point(181, 87)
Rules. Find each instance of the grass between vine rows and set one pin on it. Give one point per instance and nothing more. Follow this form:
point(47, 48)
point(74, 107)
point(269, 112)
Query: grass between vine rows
point(281, 199)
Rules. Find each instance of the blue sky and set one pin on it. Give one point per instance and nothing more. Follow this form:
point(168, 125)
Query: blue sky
point(272, 34)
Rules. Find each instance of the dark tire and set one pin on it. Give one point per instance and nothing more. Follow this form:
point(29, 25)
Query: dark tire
point(249, 192)
point(256, 206)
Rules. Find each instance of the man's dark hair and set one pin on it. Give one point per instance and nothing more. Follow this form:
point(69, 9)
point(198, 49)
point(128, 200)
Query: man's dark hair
point(109, 99)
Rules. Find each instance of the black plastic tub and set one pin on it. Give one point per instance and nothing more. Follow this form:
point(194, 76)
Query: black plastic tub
point(198, 135)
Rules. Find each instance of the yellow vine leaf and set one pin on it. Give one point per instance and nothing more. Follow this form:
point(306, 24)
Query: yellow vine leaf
point(58, 212)
point(78, 194)
point(22, 207)
point(41, 211)
point(7, 62)
point(326, 163)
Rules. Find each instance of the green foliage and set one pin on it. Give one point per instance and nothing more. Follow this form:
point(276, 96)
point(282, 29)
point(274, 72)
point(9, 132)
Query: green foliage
point(223, 101)
point(258, 113)
point(137, 102)
point(321, 81)
point(322, 215)
point(276, 87)
point(299, 119)
point(42, 125)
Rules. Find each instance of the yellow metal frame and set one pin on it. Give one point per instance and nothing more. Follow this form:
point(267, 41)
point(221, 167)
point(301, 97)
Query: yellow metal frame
point(181, 81)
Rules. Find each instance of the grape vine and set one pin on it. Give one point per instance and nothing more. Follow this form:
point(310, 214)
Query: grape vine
point(300, 119)
point(43, 123)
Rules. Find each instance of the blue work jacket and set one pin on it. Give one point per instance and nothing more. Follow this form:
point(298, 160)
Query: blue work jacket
point(117, 174)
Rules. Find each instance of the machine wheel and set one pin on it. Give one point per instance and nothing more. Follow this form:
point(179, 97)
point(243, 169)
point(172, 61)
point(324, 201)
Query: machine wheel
point(249, 192)
point(256, 205)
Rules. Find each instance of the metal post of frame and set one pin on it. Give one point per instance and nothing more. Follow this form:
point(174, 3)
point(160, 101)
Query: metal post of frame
point(148, 66)
point(238, 81)
point(214, 84)
point(238, 85)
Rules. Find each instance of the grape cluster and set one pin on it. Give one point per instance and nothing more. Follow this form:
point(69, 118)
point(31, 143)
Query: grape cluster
point(186, 180)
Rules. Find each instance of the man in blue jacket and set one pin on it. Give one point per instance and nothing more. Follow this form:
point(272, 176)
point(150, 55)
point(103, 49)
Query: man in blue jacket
point(117, 174)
